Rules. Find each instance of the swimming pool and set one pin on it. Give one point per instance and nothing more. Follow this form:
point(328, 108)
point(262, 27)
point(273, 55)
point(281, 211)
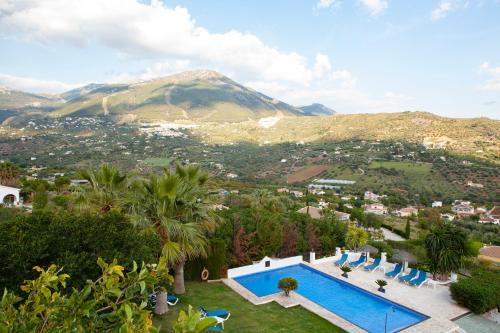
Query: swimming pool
point(362, 308)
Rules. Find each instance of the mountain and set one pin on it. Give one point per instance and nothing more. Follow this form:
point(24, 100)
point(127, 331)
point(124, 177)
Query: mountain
point(13, 99)
point(192, 96)
point(317, 109)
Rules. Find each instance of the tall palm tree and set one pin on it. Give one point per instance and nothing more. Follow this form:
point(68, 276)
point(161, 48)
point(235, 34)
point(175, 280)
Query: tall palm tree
point(9, 173)
point(446, 248)
point(107, 186)
point(172, 205)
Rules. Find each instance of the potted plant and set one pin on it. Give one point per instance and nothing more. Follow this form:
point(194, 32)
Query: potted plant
point(288, 284)
point(381, 285)
point(345, 269)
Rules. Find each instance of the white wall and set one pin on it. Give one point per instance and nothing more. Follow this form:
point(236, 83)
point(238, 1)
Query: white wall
point(6, 190)
point(261, 266)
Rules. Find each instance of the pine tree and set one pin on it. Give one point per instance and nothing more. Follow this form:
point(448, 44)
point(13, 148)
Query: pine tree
point(407, 229)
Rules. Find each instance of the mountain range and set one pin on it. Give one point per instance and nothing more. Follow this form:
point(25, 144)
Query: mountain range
point(192, 96)
point(226, 111)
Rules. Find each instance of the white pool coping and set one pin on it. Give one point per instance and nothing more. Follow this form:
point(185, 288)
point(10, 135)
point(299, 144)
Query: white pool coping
point(436, 303)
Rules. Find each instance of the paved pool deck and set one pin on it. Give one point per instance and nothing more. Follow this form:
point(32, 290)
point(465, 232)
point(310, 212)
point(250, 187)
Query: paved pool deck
point(433, 302)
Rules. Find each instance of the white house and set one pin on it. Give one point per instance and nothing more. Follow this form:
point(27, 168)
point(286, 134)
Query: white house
point(462, 208)
point(10, 195)
point(407, 211)
point(377, 209)
point(341, 216)
point(297, 194)
point(373, 196)
point(436, 204)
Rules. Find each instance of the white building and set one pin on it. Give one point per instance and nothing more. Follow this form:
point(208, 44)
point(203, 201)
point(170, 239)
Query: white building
point(373, 196)
point(341, 216)
point(436, 204)
point(407, 211)
point(377, 209)
point(10, 195)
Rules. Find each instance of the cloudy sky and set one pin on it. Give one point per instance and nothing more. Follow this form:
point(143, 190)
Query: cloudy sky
point(441, 56)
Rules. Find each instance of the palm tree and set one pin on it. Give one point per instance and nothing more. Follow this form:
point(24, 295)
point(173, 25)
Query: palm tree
point(107, 186)
point(172, 205)
point(446, 248)
point(9, 173)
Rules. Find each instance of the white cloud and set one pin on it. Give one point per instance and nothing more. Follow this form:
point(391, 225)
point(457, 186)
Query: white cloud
point(447, 6)
point(149, 30)
point(34, 85)
point(155, 70)
point(325, 3)
point(375, 7)
point(322, 65)
point(442, 10)
point(345, 77)
point(493, 82)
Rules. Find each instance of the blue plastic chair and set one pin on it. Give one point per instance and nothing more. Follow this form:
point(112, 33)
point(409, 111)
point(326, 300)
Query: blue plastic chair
point(410, 276)
point(395, 272)
point(342, 260)
point(422, 277)
point(371, 267)
point(358, 262)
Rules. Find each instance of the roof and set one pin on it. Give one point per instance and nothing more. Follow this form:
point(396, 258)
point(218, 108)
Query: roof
point(490, 251)
point(314, 212)
point(10, 188)
point(495, 212)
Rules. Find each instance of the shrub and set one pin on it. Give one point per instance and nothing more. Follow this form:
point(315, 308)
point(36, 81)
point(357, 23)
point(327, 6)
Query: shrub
point(288, 284)
point(382, 247)
point(480, 292)
point(217, 259)
point(72, 241)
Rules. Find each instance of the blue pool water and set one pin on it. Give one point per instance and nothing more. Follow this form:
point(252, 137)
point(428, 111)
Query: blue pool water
point(356, 305)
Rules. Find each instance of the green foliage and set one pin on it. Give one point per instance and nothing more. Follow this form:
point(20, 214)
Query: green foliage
point(382, 247)
point(191, 322)
point(216, 261)
point(381, 283)
point(480, 292)
point(9, 173)
point(356, 237)
point(446, 248)
point(288, 284)
point(61, 183)
point(346, 269)
point(407, 229)
point(116, 301)
point(72, 241)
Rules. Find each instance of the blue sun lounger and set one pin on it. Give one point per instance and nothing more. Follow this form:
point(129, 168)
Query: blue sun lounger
point(221, 313)
point(172, 300)
point(342, 260)
point(418, 281)
point(409, 276)
point(215, 329)
point(395, 272)
point(374, 265)
point(358, 262)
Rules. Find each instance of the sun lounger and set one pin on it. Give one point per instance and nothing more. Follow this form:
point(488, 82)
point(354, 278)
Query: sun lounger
point(395, 272)
point(410, 276)
point(358, 262)
point(419, 280)
point(342, 260)
point(374, 265)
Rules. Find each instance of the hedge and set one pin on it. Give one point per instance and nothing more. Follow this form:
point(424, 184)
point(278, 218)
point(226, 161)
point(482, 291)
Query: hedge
point(480, 292)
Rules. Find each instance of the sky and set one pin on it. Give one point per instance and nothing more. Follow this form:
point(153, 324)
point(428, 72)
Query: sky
point(354, 56)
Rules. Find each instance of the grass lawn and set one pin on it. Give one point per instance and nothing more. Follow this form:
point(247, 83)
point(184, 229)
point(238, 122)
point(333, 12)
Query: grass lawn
point(412, 168)
point(246, 317)
point(157, 161)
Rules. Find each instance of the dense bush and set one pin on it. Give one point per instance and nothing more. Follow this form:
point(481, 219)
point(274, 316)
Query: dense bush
point(382, 247)
point(70, 241)
point(216, 261)
point(288, 284)
point(480, 292)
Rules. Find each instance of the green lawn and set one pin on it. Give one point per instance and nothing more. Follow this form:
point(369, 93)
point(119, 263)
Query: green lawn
point(408, 167)
point(246, 317)
point(157, 161)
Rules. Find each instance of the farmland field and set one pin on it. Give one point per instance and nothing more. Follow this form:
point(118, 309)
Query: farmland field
point(306, 173)
point(420, 168)
point(157, 161)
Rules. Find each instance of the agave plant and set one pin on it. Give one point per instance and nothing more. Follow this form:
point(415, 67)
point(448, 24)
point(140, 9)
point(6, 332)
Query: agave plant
point(345, 269)
point(381, 285)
